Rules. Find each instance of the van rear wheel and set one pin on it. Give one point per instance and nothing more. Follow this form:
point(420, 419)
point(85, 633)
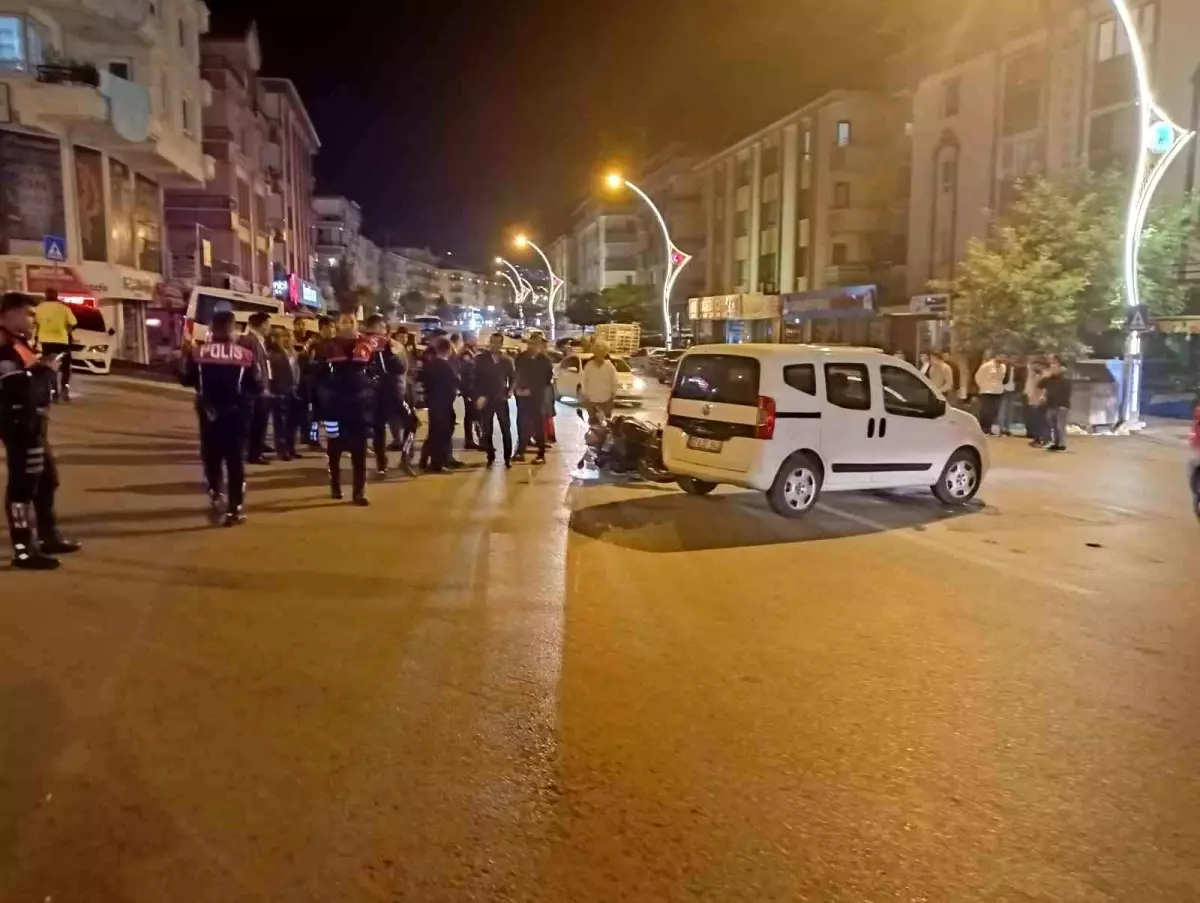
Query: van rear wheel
point(797, 486)
point(692, 486)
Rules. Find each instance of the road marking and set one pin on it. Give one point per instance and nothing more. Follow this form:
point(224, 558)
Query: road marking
point(944, 549)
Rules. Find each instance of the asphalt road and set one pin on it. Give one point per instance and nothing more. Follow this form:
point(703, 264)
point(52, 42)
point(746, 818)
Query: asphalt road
point(495, 686)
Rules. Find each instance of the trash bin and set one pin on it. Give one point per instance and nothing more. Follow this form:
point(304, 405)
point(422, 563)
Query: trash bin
point(1095, 395)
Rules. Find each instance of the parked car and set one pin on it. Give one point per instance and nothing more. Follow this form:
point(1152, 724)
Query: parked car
point(91, 341)
point(568, 380)
point(644, 360)
point(794, 421)
point(665, 365)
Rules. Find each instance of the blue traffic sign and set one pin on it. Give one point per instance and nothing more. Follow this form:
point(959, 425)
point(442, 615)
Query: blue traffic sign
point(1161, 137)
point(1138, 319)
point(54, 247)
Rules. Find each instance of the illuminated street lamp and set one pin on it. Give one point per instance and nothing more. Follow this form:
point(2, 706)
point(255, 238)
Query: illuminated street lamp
point(521, 289)
point(555, 283)
point(1160, 141)
point(676, 259)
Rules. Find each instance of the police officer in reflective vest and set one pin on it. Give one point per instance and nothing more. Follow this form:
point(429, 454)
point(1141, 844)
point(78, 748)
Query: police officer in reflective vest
point(26, 386)
point(346, 400)
point(226, 381)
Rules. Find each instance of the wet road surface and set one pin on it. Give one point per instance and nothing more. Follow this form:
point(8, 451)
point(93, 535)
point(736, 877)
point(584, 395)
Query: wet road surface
point(519, 686)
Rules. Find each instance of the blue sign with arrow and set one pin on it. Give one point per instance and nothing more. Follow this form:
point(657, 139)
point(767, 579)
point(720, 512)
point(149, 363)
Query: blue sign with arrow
point(54, 247)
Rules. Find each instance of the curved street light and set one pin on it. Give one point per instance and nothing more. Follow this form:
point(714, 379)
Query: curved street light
point(522, 288)
point(556, 283)
point(1160, 141)
point(676, 259)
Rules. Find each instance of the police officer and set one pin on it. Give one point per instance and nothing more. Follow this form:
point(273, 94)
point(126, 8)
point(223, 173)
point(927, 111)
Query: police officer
point(386, 372)
point(326, 329)
point(346, 400)
point(225, 378)
point(26, 387)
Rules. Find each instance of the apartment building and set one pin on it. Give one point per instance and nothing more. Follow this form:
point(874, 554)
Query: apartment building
point(606, 243)
point(404, 270)
point(676, 186)
point(288, 154)
point(1033, 88)
point(337, 229)
point(100, 107)
point(808, 211)
point(465, 288)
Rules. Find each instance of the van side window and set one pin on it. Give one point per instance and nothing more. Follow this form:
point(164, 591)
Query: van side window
point(848, 386)
point(802, 377)
point(906, 395)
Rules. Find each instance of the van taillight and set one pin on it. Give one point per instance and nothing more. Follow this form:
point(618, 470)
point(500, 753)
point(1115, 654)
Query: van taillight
point(765, 428)
point(189, 328)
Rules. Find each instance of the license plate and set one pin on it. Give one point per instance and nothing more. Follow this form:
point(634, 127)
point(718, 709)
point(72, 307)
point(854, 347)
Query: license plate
point(699, 443)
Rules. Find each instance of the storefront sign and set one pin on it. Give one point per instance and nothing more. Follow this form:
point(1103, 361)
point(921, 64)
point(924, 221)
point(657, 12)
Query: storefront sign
point(279, 288)
point(734, 307)
point(929, 304)
point(107, 281)
point(64, 280)
point(842, 301)
point(310, 295)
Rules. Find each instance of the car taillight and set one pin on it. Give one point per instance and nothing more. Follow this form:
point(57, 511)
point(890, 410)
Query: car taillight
point(189, 328)
point(765, 428)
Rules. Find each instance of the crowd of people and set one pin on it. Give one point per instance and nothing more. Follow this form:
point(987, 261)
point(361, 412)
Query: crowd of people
point(354, 387)
point(1005, 385)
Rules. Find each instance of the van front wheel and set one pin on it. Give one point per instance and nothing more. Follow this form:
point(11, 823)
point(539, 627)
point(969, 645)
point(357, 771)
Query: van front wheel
point(959, 480)
point(797, 486)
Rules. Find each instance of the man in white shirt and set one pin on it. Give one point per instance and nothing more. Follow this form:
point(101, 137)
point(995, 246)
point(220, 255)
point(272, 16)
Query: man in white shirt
point(990, 379)
point(600, 383)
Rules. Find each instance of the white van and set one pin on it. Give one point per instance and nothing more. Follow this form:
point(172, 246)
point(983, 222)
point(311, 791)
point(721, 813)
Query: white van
point(205, 301)
point(795, 420)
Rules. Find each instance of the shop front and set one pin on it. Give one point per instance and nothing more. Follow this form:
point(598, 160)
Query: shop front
point(844, 315)
point(300, 298)
point(735, 318)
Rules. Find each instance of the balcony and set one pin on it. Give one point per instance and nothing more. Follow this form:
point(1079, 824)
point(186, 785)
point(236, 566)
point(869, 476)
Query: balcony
point(274, 209)
point(105, 21)
point(850, 220)
point(272, 156)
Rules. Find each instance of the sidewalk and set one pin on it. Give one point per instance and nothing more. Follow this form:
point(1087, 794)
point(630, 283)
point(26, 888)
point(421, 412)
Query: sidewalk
point(1167, 431)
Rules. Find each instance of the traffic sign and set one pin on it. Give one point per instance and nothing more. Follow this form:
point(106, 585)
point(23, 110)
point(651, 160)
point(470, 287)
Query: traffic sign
point(1138, 319)
point(54, 247)
point(1161, 137)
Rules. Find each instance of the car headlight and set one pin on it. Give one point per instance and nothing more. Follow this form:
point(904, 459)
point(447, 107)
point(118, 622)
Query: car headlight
point(639, 385)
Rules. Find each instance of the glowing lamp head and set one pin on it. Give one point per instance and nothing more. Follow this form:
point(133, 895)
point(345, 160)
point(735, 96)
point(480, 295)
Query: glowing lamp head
point(614, 181)
point(520, 241)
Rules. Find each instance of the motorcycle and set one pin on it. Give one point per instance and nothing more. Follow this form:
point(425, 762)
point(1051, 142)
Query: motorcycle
point(621, 445)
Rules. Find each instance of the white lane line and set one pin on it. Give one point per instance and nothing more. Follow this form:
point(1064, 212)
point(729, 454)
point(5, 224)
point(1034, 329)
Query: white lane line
point(947, 550)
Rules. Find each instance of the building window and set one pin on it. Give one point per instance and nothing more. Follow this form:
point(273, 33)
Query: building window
point(1023, 92)
point(739, 273)
point(770, 214)
point(802, 264)
point(953, 90)
point(1106, 40)
point(843, 133)
point(949, 174)
point(21, 43)
point(741, 223)
point(743, 172)
point(839, 254)
point(841, 195)
point(807, 142)
point(186, 116)
point(768, 272)
point(770, 159)
point(121, 69)
point(182, 34)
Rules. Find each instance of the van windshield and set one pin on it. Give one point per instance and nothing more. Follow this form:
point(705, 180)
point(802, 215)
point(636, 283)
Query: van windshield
point(719, 378)
point(207, 305)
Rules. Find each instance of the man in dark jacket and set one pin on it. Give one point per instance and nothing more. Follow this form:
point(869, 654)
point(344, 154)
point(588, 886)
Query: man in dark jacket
point(26, 387)
point(225, 377)
point(441, 388)
point(260, 407)
point(534, 376)
point(386, 371)
point(494, 380)
point(1057, 403)
point(467, 356)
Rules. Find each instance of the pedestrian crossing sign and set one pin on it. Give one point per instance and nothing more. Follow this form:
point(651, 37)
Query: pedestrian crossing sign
point(1138, 319)
point(54, 247)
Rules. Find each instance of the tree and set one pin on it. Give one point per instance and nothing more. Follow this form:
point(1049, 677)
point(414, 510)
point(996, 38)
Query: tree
point(342, 284)
point(628, 304)
point(1050, 274)
point(382, 302)
point(585, 310)
point(413, 303)
point(445, 311)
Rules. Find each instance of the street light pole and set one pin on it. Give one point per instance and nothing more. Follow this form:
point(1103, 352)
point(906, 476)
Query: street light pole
point(1160, 141)
point(522, 293)
point(676, 259)
point(555, 282)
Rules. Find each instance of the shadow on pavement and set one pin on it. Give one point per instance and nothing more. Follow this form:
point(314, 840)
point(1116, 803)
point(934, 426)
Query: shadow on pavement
point(83, 459)
point(30, 741)
point(682, 523)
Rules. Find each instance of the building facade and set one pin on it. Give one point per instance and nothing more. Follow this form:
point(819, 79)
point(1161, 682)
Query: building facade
point(1031, 89)
point(337, 230)
point(288, 154)
point(676, 186)
point(800, 211)
point(404, 270)
point(100, 110)
point(605, 238)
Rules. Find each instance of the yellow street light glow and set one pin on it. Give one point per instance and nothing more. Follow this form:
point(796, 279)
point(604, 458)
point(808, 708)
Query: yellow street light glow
point(520, 241)
point(614, 180)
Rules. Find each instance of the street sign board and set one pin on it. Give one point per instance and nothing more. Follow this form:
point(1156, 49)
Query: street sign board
point(54, 247)
point(1138, 319)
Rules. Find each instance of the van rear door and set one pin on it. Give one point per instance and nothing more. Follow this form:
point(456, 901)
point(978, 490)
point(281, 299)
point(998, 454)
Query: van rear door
point(715, 406)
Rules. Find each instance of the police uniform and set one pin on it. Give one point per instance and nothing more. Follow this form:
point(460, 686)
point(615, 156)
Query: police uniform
point(226, 381)
point(26, 387)
point(346, 401)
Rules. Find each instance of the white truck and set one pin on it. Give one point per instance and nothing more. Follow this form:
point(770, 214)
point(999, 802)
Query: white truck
point(622, 339)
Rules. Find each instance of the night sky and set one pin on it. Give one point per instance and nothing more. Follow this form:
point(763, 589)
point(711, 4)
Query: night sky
point(453, 122)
